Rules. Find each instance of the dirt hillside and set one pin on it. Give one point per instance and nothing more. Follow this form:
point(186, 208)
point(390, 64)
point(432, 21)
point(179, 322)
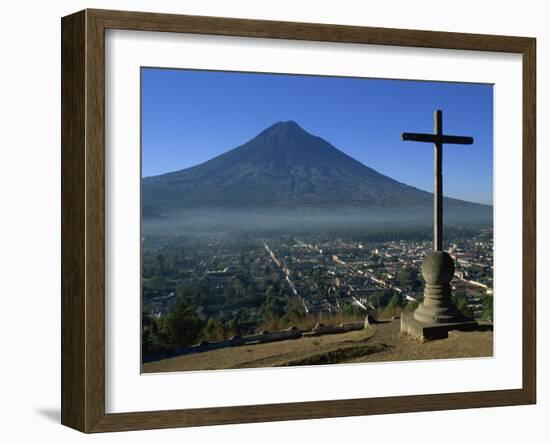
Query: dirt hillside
point(380, 342)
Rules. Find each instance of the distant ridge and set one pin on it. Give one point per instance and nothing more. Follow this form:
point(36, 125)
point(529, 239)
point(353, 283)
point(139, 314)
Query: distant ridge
point(282, 167)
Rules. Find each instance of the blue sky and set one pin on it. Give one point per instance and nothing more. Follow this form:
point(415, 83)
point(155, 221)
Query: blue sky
point(191, 116)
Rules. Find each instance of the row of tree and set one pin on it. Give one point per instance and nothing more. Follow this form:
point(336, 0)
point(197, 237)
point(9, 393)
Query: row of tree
point(182, 327)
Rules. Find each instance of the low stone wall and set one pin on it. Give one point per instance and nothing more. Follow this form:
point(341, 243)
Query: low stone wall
point(267, 336)
point(321, 329)
point(260, 338)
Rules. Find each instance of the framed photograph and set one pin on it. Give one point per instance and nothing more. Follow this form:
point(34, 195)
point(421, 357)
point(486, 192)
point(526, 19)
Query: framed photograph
point(268, 220)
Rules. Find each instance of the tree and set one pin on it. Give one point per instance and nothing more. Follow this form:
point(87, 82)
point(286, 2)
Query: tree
point(412, 305)
point(274, 306)
point(234, 327)
point(149, 334)
point(230, 292)
point(381, 298)
point(462, 304)
point(292, 317)
point(161, 262)
point(352, 312)
point(316, 275)
point(182, 325)
point(395, 301)
point(487, 312)
point(270, 292)
point(409, 277)
point(213, 331)
point(156, 286)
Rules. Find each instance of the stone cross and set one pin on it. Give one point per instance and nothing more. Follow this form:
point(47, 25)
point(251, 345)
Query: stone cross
point(437, 314)
point(438, 139)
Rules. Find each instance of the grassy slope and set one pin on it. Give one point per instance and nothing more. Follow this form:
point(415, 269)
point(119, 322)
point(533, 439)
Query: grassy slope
point(382, 342)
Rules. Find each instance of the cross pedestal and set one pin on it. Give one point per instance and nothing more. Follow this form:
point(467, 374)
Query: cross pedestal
point(437, 314)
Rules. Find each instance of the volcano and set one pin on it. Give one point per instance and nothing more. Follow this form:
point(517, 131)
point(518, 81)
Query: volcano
point(282, 167)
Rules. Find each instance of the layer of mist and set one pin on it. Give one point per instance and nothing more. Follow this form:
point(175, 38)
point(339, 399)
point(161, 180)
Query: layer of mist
point(201, 221)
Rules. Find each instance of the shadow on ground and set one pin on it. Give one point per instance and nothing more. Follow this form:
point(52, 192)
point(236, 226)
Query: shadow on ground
point(51, 414)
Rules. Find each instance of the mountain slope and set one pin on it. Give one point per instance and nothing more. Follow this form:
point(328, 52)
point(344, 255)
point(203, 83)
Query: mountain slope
point(283, 167)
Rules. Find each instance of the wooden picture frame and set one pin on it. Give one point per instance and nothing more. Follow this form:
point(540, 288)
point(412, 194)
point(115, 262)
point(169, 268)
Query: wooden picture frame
point(83, 220)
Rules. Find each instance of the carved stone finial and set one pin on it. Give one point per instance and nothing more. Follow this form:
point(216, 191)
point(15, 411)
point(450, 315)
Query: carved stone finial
point(438, 269)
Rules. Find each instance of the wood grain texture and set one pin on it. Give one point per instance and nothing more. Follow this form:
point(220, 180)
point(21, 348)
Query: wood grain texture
point(529, 221)
point(83, 220)
point(145, 21)
point(95, 222)
point(73, 257)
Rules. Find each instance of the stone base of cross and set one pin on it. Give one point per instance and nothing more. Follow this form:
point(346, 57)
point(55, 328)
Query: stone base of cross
point(437, 314)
